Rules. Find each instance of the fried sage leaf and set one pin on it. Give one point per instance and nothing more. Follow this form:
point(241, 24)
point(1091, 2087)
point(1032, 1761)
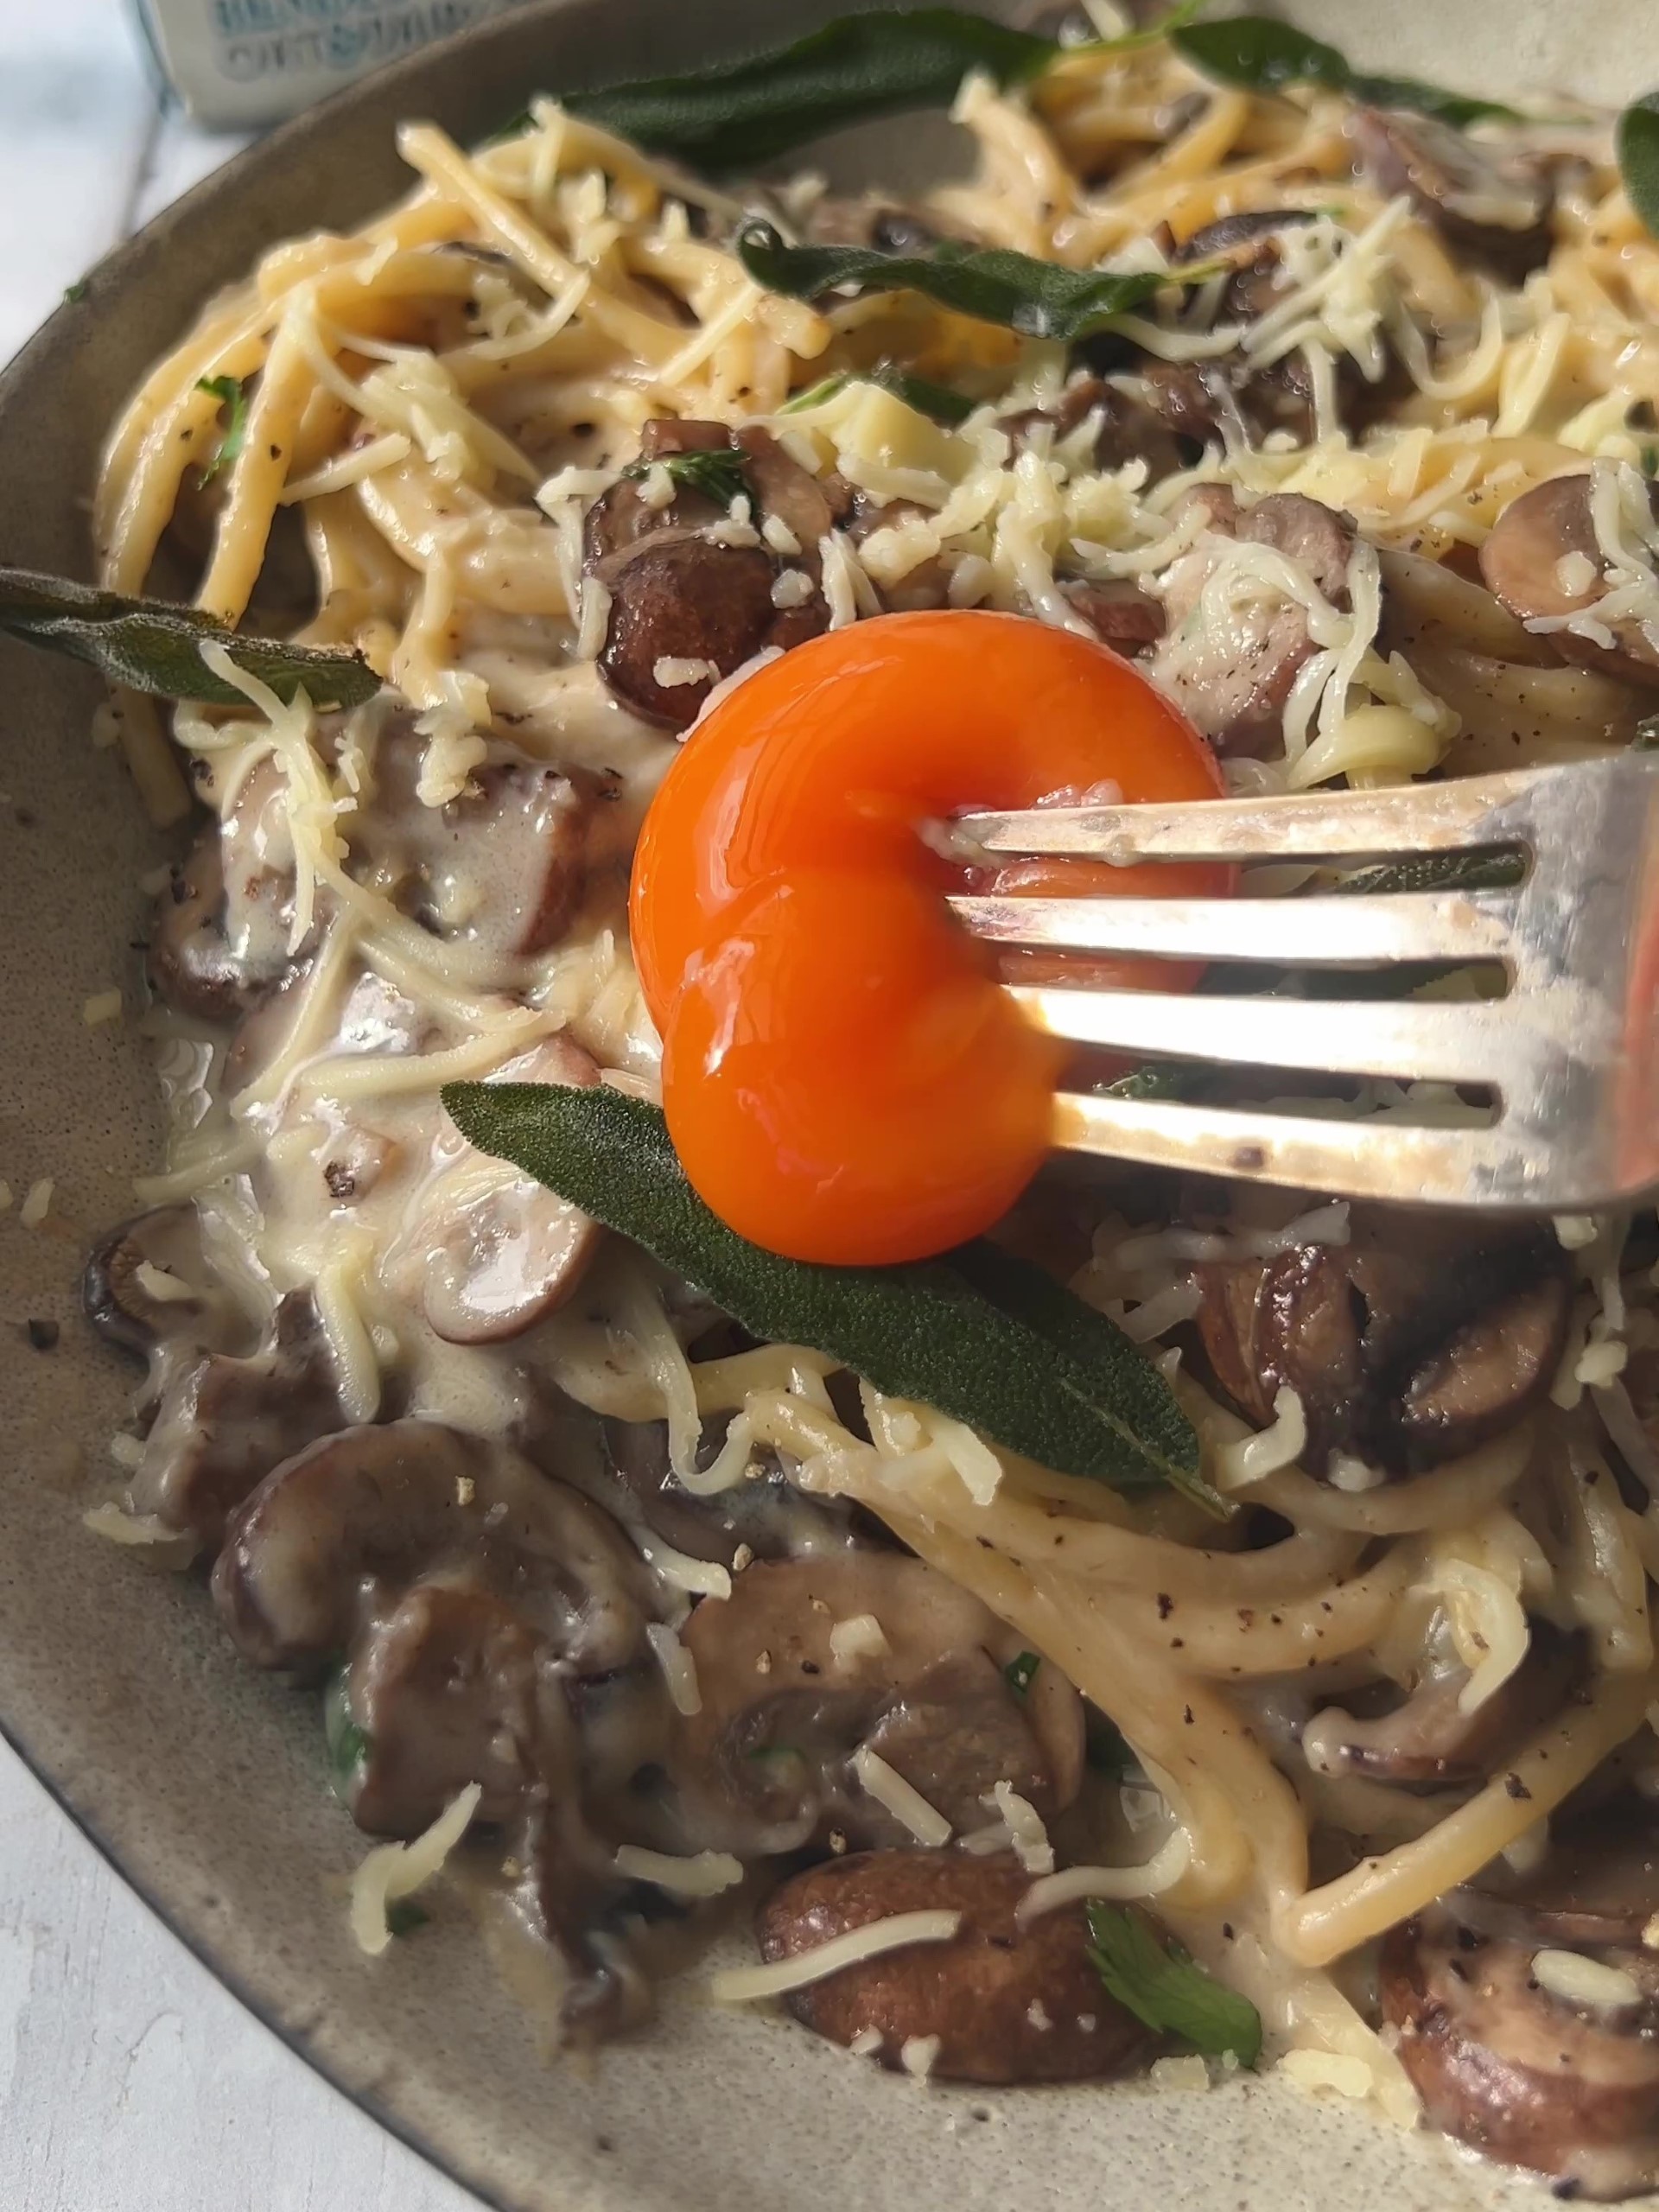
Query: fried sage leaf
point(923, 1332)
point(992, 284)
point(1160, 1984)
point(1638, 143)
point(736, 115)
point(1264, 55)
point(150, 645)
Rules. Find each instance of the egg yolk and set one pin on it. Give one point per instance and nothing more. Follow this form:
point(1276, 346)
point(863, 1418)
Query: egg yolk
point(844, 1079)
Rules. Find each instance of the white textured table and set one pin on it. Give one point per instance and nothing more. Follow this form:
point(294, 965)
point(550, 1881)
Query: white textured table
point(130, 2081)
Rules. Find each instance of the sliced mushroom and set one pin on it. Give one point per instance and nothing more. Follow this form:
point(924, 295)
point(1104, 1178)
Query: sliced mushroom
point(1120, 613)
point(147, 1283)
point(1490, 209)
point(1544, 559)
point(503, 868)
point(683, 603)
point(924, 586)
point(1418, 1340)
point(1128, 429)
point(1500, 2062)
point(1426, 1741)
point(223, 1423)
point(808, 506)
point(352, 1523)
point(1249, 246)
point(1232, 679)
point(1007, 2003)
point(766, 1761)
point(1597, 1887)
point(764, 1514)
point(486, 1250)
point(887, 224)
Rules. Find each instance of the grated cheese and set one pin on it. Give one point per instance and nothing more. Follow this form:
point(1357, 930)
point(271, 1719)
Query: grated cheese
point(679, 1669)
point(1160, 1872)
point(1313, 2070)
point(859, 1636)
point(917, 2055)
point(671, 671)
point(746, 1985)
point(103, 1006)
point(1182, 2075)
point(36, 1202)
point(866, 2042)
point(708, 1875)
point(906, 1804)
point(1578, 1980)
point(1025, 1824)
point(393, 1870)
point(165, 1289)
point(1249, 1458)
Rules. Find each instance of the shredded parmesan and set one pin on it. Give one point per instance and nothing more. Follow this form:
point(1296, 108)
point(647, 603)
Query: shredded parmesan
point(1160, 1872)
point(679, 1669)
point(103, 1006)
point(1249, 1458)
point(746, 1985)
point(859, 1636)
point(1025, 1825)
point(36, 1202)
point(896, 1795)
point(918, 2055)
point(394, 1871)
point(1578, 1980)
point(707, 1875)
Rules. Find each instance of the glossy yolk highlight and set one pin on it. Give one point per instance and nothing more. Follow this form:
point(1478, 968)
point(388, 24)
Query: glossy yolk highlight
point(844, 1079)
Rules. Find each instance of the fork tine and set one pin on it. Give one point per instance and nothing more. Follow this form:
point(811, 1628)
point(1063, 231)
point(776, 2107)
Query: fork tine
point(1411, 1040)
point(1298, 932)
point(1437, 1167)
point(1314, 825)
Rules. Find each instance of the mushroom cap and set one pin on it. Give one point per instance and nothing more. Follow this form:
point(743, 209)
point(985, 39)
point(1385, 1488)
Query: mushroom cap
point(1008, 2003)
point(1503, 2065)
point(1522, 561)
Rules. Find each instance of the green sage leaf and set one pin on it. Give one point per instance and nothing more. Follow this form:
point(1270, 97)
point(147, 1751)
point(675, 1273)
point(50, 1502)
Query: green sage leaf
point(1070, 1392)
point(1038, 299)
point(1157, 1981)
point(741, 114)
point(231, 395)
point(1264, 55)
point(348, 1744)
point(150, 645)
point(1020, 1670)
point(1637, 143)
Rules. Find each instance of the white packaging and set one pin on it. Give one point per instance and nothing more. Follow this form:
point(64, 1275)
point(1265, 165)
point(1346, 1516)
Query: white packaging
point(240, 62)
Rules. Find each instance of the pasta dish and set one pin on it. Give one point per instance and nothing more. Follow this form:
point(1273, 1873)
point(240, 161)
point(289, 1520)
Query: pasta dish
point(1330, 1747)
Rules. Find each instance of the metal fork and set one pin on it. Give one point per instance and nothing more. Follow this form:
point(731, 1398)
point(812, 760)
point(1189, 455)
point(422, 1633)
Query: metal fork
point(1570, 1052)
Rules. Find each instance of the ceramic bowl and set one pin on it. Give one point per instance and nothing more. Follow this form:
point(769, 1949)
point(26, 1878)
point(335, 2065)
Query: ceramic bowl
point(203, 1782)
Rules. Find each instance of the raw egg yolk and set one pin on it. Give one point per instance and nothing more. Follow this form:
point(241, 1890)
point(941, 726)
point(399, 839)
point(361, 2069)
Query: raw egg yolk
point(845, 1079)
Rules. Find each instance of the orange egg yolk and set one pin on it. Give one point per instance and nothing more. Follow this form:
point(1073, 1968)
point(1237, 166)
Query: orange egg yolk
point(845, 1079)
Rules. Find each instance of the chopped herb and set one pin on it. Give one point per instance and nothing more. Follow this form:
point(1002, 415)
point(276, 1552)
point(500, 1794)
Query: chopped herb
point(1636, 141)
point(719, 475)
point(151, 646)
point(1264, 55)
point(348, 1744)
point(403, 1916)
point(233, 396)
point(1158, 1079)
point(816, 395)
point(1018, 1672)
point(1495, 870)
point(75, 293)
point(1649, 460)
point(1038, 299)
point(1157, 1980)
point(741, 114)
point(980, 1336)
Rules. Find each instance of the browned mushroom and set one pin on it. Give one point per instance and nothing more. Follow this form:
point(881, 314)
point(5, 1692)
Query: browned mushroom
point(1005, 2002)
point(764, 1514)
point(486, 1251)
point(147, 1283)
point(223, 1423)
point(923, 587)
point(1416, 1341)
point(1249, 246)
point(1597, 1887)
point(353, 1522)
point(1120, 613)
point(1544, 559)
point(887, 224)
point(503, 868)
point(220, 941)
point(1559, 2072)
point(1233, 684)
point(1491, 209)
point(1426, 1740)
point(686, 610)
point(787, 1700)
point(1128, 428)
